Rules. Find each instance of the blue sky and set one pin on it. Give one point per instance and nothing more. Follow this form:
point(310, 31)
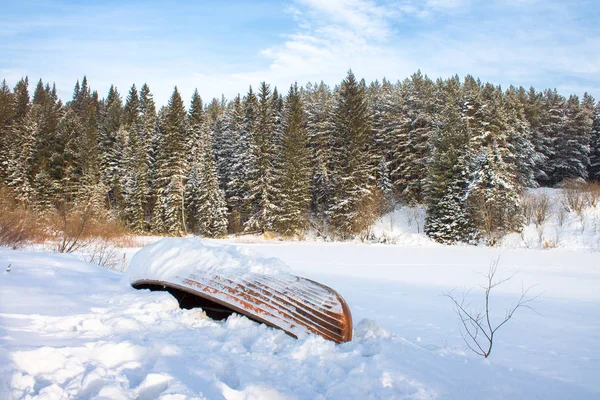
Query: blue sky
point(225, 46)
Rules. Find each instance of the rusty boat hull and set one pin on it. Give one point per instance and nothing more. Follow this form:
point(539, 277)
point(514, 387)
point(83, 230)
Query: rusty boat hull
point(294, 304)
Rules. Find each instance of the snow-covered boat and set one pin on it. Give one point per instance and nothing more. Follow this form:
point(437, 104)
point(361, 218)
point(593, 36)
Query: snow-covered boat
point(223, 279)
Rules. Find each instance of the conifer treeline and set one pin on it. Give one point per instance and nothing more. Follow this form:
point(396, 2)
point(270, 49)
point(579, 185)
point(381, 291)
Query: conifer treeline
point(328, 159)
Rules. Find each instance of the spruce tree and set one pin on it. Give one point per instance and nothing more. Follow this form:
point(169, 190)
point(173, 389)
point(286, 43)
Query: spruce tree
point(411, 146)
point(494, 189)
point(212, 207)
point(448, 220)
point(353, 175)
point(238, 187)
point(21, 154)
point(319, 108)
point(261, 193)
point(572, 142)
point(293, 169)
point(148, 137)
point(134, 165)
point(195, 148)
point(174, 164)
point(111, 147)
point(594, 169)
point(6, 115)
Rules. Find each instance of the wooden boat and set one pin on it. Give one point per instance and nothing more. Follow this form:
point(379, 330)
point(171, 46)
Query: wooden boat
point(296, 305)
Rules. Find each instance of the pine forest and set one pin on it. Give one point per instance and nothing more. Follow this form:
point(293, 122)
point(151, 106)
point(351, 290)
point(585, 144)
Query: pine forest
point(327, 160)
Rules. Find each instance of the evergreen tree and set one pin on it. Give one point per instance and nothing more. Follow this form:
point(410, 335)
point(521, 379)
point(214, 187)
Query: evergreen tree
point(134, 165)
point(261, 194)
point(594, 169)
point(20, 155)
point(195, 148)
point(238, 188)
point(148, 136)
point(212, 208)
point(174, 165)
point(494, 190)
point(448, 219)
point(353, 175)
point(293, 170)
point(111, 147)
point(411, 146)
point(526, 159)
point(131, 111)
point(6, 115)
point(572, 142)
point(319, 104)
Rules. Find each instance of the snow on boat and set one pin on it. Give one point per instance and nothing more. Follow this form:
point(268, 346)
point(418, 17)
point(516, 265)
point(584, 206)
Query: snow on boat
point(223, 279)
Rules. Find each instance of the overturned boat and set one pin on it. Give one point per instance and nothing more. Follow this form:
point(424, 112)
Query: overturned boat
point(223, 279)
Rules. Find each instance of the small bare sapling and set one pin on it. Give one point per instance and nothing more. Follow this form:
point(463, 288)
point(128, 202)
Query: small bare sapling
point(475, 323)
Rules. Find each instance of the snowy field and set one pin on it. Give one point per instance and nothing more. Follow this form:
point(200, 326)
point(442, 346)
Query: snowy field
point(74, 330)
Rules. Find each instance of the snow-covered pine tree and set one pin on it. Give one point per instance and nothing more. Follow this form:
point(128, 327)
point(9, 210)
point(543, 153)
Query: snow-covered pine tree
point(48, 117)
point(262, 191)
point(6, 115)
point(212, 208)
point(448, 219)
point(390, 124)
point(175, 164)
point(134, 165)
point(160, 179)
point(572, 143)
point(353, 172)
point(552, 120)
point(237, 190)
point(23, 136)
point(520, 137)
point(411, 145)
point(16, 110)
point(195, 149)
point(594, 169)
point(131, 111)
point(147, 132)
point(537, 115)
point(111, 147)
point(318, 104)
point(292, 211)
point(493, 193)
point(225, 136)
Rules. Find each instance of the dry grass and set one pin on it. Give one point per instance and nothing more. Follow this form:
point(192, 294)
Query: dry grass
point(18, 225)
point(66, 229)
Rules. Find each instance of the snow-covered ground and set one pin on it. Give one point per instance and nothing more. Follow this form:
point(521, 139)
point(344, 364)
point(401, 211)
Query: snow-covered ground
point(74, 330)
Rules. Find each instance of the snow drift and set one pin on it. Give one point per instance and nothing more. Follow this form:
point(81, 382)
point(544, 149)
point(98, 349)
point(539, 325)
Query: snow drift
point(170, 257)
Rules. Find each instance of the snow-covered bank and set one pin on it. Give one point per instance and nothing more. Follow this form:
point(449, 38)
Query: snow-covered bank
point(69, 329)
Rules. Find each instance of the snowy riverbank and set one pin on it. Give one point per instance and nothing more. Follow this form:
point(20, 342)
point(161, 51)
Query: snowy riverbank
point(69, 328)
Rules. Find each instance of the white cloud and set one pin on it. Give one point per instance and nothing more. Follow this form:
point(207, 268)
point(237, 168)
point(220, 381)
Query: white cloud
point(370, 38)
point(525, 44)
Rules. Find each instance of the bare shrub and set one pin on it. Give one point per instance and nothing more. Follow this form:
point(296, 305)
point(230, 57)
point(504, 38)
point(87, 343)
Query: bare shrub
point(77, 227)
point(415, 217)
point(536, 208)
point(104, 254)
point(573, 200)
point(592, 194)
point(477, 329)
point(561, 216)
point(579, 196)
point(371, 209)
